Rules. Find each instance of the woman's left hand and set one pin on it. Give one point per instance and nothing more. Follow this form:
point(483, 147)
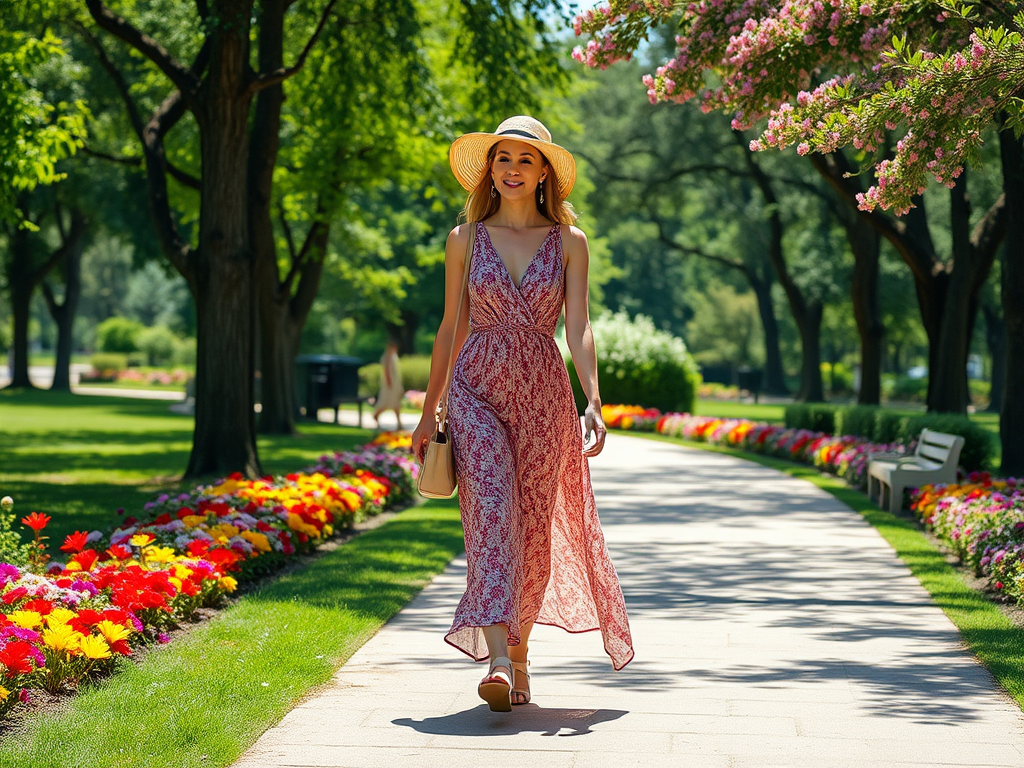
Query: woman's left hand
point(595, 424)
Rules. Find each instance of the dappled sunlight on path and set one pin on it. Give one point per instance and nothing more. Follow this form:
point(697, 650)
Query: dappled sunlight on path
point(772, 626)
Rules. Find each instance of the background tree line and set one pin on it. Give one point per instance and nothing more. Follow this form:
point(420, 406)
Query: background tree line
point(271, 177)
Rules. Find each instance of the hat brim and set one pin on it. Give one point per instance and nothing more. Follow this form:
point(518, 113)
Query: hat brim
point(468, 158)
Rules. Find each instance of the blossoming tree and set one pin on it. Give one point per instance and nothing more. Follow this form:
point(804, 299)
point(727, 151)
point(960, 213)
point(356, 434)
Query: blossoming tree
point(829, 74)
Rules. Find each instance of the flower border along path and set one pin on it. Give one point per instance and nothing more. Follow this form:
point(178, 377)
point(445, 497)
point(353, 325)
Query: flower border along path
point(203, 699)
point(990, 634)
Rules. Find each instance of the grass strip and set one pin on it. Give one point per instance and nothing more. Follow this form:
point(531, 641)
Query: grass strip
point(205, 698)
point(992, 637)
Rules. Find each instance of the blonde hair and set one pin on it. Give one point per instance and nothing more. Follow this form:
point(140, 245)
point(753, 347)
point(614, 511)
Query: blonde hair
point(480, 205)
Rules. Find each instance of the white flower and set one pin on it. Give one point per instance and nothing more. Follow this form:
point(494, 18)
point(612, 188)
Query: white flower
point(7, 503)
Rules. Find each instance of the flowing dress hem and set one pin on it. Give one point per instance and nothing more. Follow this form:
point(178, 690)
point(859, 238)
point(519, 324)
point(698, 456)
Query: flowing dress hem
point(615, 666)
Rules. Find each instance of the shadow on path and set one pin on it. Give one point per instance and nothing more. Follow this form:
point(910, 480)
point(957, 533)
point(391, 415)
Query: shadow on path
point(529, 718)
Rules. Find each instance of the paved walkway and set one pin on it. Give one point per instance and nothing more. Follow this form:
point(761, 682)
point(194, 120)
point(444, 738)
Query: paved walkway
point(772, 627)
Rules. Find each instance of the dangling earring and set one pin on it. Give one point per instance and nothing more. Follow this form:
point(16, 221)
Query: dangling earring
point(494, 191)
point(541, 192)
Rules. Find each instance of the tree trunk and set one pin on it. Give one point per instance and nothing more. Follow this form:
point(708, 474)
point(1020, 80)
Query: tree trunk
point(807, 314)
point(21, 285)
point(865, 243)
point(405, 334)
point(995, 340)
point(225, 430)
point(64, 313)
point(940, 287)
point(812, 389)
point(774, 377)
point(1011, 418)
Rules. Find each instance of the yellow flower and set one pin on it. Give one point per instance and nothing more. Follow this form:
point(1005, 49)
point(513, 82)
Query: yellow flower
point(73, 566)
point(224, 531)
point(159, 554)
point(4, 693)
point(93, 647)
point(182, 571)
point(59, 616)
point(193, 521)
point(62, 638)
point(175, 581)
point(112, 632)
point(26, 619)
point(141, 539)
point(228, 583)
point(227, 487)
point(258, 540)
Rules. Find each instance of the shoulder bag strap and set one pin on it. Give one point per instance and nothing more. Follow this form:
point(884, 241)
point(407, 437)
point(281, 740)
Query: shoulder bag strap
point(441, 414)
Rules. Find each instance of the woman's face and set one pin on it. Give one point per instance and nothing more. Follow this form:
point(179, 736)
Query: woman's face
point(517, 169)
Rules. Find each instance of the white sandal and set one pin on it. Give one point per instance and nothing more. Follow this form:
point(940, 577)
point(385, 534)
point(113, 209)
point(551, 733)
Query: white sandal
point(520, 691)
point(496, 688)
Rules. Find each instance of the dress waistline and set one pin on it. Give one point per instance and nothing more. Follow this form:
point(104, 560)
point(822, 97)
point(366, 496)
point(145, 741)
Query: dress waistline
point(511, 327)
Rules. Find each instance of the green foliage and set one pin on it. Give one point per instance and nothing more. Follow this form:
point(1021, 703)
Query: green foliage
point(12, 549)
point(34, 133)
point(979, 443)
point(109, 364)
point(816, 416)
point(904, 388)
point(856, 420)
point(118, 334)
point(414, 369)
point(638, 365)
point(837, 378)
point(159, 344)
point(887, 426)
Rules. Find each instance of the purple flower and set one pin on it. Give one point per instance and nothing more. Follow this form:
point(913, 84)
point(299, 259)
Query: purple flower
point(163, 638)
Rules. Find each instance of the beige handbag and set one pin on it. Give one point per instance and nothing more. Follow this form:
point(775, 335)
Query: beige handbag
point(437, 475)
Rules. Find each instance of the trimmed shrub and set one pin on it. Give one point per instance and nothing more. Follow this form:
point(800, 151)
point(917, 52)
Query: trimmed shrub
point(887, 426)
point(858, 420)
point(638, 364)
point(118, 334)
point(107, 366)
point(979, 449)
point(815, 416)
point(157, 344)
point(904, 388)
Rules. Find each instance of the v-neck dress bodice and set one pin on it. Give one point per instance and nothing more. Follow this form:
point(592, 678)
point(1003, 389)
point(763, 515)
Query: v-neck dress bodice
point(534, 546)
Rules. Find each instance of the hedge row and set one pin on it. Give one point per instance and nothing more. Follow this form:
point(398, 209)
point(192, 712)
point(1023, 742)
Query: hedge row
point(881, 425)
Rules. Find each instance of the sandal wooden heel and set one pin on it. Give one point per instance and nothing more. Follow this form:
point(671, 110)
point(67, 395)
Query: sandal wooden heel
point(496, 688)
point(520, 682)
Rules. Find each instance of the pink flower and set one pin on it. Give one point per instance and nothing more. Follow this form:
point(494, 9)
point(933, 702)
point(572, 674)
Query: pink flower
point(803, 148)
point(865, 10)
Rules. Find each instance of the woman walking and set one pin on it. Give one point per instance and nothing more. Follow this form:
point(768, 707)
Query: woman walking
point(534, 546)
point(390, 396)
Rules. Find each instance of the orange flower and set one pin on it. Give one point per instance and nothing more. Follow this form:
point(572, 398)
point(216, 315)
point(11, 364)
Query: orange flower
point(36, 521)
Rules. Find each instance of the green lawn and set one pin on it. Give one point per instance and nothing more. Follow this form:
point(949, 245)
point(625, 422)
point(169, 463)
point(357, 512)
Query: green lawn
point(204, 698)
point(988, 632)
point(81, 458)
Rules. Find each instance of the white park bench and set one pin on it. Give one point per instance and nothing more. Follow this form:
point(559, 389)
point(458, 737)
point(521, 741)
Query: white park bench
point(934, 461)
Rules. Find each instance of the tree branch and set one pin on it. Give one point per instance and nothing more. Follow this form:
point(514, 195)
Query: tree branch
point(183, 177)
point(689, 250)
point(267, 79)
point(183, 78)
point(287, 229)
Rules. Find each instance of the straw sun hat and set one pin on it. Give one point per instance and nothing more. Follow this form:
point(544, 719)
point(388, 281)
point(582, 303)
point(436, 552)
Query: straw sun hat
point(468, 153)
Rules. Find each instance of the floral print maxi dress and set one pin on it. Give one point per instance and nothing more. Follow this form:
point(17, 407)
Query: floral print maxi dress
point(534, 546)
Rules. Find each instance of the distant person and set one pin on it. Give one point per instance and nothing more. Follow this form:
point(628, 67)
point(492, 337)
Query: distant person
point(391, 391)
point(534, 546)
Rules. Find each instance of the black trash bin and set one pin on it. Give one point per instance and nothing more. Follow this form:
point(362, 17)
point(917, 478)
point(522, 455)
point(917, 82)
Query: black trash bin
point(326, 381)
point(749, 379)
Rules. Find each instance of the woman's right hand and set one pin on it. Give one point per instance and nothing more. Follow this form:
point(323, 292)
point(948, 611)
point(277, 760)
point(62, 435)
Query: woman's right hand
point(421, 436)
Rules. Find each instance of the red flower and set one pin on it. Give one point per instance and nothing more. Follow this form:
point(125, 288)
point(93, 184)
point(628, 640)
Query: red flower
point(89, 616)
point(198, 547)
point(40, 606)
point(14, 595)
point(184, 512)
point(263, 526)
point(36, 521)
point(17, 657)
point(121, 647)
point(223, 559)
point(236, 476)
point(75, 542)
point(163, 519)
point(120, 552)
point(130, 521)
point(86, 558)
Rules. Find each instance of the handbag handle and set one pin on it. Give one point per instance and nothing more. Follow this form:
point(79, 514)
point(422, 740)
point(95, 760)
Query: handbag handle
point(441, 412)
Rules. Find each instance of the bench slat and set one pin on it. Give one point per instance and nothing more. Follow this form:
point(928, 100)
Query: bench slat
point(935, 454)
point(937, 438)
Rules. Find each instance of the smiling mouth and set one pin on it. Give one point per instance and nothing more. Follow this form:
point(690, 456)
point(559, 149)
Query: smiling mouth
point(513, 184)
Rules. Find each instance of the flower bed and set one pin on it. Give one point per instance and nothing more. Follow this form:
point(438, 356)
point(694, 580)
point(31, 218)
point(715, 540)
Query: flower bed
point(982, 521)
point(62, 622)
point(845, 456)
